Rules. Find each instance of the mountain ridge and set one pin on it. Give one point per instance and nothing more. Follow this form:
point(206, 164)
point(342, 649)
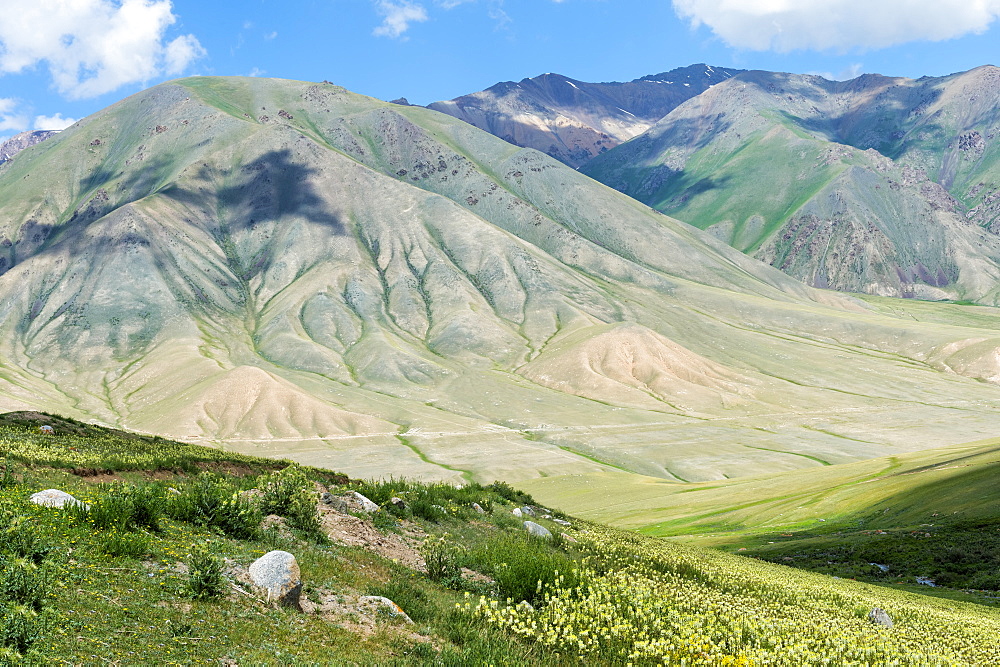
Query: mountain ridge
point(573, 120)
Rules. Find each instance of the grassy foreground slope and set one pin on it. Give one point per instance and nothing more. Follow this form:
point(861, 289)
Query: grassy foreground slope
point(104, 589)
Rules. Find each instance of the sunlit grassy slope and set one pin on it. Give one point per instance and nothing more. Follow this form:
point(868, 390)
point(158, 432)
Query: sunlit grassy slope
point(951, 484)
point(289, 269)
point(117, 584)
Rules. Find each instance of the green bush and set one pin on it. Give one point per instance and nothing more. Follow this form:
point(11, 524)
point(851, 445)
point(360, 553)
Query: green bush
point(211, 500)
point(205, 578)
point(25, 583)
point(289, 494)
point(21, 627)
point(19, 538)
point(122, 507)
point(443, 559)
point(522, 567)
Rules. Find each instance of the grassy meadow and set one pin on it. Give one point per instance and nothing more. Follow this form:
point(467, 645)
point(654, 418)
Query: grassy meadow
point(145, 575)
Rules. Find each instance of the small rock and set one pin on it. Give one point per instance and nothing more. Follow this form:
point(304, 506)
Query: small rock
point(378, 603)
point(537, 531)
point(398, 503)
point(364, 504)
point(568, 537)
point(562, 522)
point(338, 504)
point(46, 430)
point(55, 498)
point(527, 511)
point(173, 491)
point(479, 508)
point(884, 568)
point(517, 512)
point(277, 573)
point(880, 617)
point(926, 581)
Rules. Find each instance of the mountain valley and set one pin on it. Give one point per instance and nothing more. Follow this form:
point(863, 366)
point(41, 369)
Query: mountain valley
point(289, 269)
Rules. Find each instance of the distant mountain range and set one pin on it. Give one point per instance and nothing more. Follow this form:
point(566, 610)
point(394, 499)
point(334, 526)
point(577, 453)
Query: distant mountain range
point(292, 269)
point(879, 185)
point(572, 120)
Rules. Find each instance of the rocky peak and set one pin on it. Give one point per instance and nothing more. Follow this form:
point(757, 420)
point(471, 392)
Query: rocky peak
point(19, 142)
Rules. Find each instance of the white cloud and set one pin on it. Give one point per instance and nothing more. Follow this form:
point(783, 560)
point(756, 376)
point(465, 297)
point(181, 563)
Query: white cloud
point(787, 25)
point(271, 35)
point(256, 71)
point(10, 119)
point(91, 47)
point(56, 122)
point(397, 17)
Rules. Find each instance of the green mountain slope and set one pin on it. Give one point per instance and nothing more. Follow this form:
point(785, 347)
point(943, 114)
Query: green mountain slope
point(289, 269)
point(875, 185)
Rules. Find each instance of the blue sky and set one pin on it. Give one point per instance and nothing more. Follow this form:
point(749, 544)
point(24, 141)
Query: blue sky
point(64, 59)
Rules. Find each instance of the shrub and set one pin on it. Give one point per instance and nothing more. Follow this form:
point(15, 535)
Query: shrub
point(508, 492)
point(21, 627)
point(289, 494)
point(24, 583)
point(522, 567)
point(211, 500)
point(205, 578)
point(122, 507)
point(443, 559)
point(20, 538)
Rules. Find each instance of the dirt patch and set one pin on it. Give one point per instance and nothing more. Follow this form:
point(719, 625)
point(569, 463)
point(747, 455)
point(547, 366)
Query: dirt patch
point(96, 476)
point(357, 532)
point(362, 614)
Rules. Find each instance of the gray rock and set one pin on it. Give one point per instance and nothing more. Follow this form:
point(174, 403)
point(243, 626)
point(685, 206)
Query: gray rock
point(880, 617)
point(517, 512)
point(479, 508)
point(527, 511)
point(926, 581)
point(55, 498)
point(562, 522)
point(883, 568)
point(378, 604)
point(537, 531)
point(398, 503)
point(277, 573)
point(338, 504)
point(362, 503)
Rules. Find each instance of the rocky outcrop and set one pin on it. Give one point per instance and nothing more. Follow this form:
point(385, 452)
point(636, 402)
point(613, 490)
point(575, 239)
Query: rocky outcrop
point(574, 120)
point(19, 142)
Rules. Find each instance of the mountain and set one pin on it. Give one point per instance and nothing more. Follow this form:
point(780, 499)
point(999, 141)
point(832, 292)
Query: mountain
point(878, 185)
point(287, 268)
point(572, 120)
point(17, 143)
